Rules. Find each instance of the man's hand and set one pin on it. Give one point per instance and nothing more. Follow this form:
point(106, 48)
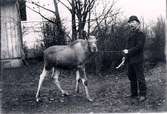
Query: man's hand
point(125, 51)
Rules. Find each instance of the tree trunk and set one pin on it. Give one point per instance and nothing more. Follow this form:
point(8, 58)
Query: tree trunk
point(89, 22)
point(57, 13)
point(80, 28)
point(74, 31)
point(60, 32)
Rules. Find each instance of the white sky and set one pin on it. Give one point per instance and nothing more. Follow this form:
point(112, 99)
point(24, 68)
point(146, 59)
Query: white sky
point(149, 9)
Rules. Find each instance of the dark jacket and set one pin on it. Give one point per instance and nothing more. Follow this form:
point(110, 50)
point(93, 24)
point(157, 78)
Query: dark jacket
point(135, 45)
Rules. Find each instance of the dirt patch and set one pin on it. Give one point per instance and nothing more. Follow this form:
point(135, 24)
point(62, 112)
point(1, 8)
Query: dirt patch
point(109, 92)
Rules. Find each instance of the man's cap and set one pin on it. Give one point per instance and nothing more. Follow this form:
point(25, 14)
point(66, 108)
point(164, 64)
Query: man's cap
point(133, 18)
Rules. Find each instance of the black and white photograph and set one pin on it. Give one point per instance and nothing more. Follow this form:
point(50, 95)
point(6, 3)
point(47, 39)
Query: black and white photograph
point(83, 56)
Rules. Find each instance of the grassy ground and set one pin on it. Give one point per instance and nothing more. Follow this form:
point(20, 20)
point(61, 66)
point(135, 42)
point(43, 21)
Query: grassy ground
point(109, 92)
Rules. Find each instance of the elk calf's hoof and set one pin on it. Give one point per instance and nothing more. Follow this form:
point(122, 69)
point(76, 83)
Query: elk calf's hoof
point(37, 99)
point(77, 90)
point(90, 100)
point(65, 94)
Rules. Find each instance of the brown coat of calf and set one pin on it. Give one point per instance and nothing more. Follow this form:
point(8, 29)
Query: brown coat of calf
point(70, 56)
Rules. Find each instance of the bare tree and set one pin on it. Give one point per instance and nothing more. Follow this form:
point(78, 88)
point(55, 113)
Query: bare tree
point(107, 15)
point(79, 10)
point(60, 33)
point(81, 14)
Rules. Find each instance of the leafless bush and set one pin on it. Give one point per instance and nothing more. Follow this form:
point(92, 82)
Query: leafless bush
point(53, 34)
point(113, 37)
point(155, 43)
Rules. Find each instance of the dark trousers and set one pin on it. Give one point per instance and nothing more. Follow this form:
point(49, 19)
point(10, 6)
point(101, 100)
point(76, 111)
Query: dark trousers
point(137, 79)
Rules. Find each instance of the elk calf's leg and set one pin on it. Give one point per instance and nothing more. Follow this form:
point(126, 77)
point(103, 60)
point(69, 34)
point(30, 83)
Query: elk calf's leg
point(56, 81)
point(77, 81)
point(53, 72)
point(85, 83)
point(42, 76)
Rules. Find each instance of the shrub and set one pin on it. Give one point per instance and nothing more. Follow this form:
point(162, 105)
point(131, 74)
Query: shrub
point(113, 38)
point(158, 45)
point(155, 42)
point(110, 38)
point(53, 34)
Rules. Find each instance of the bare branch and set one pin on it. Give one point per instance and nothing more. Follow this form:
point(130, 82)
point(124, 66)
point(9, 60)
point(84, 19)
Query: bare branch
point(66, 5)
point(41, 15)
point(89, 6)
point(41, 6)
point(85, 4)
point(110, 13)
point(105, 18)
point(69, 2)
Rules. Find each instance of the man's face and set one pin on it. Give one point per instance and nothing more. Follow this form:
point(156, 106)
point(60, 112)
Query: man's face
point(134, 25)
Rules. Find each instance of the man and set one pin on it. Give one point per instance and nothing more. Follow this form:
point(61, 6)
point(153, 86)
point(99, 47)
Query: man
point(135, 57)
